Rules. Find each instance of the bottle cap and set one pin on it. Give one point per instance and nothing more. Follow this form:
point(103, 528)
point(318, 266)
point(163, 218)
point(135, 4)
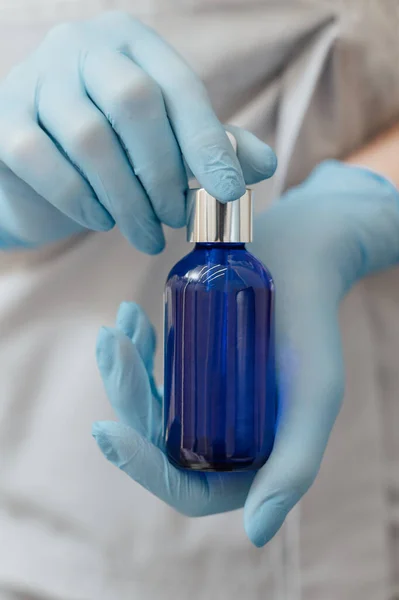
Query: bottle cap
point(212, 221)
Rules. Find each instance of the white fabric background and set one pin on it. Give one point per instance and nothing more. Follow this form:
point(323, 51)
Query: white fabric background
point(315, 79)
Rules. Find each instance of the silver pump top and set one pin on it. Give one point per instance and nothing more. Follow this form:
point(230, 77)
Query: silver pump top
point(212, 221)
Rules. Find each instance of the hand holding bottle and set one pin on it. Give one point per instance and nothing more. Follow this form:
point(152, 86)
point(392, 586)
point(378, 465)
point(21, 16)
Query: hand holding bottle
point(318, 240)
point(93, 126)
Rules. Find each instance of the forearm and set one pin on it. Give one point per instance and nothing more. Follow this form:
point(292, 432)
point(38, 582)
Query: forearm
point(381, 154)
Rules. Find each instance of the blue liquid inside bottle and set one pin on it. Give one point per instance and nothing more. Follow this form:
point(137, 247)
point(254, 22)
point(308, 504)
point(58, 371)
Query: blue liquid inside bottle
point(220, 393)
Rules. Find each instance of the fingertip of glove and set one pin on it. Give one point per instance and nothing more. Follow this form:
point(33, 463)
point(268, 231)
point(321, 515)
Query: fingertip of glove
point(154, 250)
point(262, 166)
point(258, 160)
point(149, 238)
point(119, 443)
point(105, 348)
point(177, 223)
point(106, 223)
point(235, 189)
point(270, 161)
point(105, 333)
point(153, 244)
point(229, 187)
point(94, 216)
point(173, 212)
point(262, 524)
point(103, 441)
point(128, 312)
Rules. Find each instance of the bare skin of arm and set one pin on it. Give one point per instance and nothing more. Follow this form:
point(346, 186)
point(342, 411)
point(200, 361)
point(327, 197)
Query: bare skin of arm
point(381, 154)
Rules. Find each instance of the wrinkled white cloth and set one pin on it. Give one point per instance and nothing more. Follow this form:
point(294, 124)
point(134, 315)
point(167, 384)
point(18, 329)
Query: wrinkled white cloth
point(315, 79)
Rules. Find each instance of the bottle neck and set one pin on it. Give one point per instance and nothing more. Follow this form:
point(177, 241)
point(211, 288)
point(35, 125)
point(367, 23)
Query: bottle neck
point(219, 246)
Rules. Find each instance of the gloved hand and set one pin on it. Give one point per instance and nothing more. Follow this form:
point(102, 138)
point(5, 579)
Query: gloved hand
point(92, 131)
point(318, 240)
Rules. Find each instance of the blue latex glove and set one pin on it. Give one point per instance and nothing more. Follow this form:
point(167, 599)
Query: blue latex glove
point(339, 225)
point(92, 131)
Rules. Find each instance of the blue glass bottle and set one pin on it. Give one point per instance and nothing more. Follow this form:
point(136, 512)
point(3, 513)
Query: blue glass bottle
point(220, 397)
point(220, 405)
